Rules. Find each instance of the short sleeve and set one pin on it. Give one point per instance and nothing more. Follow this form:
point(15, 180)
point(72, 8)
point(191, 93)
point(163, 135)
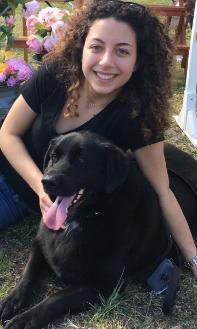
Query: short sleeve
point(132, 132)
point(39, 87)
point(138, 140)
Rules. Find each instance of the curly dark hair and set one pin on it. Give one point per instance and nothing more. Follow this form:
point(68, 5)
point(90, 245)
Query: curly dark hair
point(149, 89)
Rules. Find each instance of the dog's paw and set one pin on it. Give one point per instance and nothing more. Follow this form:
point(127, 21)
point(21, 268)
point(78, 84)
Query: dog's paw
point(11, 305)
point(25, 320)
point(18, 322)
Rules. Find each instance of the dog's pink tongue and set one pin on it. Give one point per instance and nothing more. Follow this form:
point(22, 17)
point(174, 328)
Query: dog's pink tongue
point(56, 216)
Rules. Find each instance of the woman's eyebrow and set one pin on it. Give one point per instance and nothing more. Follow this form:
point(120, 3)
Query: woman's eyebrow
point(118, 44)
point(124, 44)
point(97, 39)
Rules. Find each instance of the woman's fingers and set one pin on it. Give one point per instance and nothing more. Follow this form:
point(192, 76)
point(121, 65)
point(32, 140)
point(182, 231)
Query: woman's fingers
point(45, 203)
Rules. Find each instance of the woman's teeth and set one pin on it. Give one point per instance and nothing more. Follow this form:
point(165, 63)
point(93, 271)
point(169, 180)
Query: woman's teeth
point(105, 76)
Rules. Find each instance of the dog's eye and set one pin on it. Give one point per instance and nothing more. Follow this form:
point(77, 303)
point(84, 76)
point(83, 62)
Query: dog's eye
point(54, 157)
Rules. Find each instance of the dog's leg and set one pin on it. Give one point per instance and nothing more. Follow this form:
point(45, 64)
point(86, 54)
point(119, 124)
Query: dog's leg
point(20, 296)
point(69, 300)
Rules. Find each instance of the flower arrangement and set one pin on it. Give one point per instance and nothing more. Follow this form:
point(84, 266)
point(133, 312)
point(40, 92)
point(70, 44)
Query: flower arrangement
point(46, 26)
point(13, 72)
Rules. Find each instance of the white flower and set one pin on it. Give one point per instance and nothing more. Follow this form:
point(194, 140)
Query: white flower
point(49, 16)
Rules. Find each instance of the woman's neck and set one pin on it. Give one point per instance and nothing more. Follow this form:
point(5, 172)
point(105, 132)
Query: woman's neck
point(92, 100)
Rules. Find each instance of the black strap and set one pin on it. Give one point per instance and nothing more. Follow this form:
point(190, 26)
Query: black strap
point(170, 294)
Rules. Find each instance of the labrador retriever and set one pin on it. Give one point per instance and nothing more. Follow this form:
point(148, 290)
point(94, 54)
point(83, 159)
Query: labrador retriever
point(105, 225)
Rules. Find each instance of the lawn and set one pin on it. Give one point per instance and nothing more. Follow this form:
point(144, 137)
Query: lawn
point(136, 308)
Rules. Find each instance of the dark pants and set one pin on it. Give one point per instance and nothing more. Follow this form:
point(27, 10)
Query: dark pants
point(12, 208)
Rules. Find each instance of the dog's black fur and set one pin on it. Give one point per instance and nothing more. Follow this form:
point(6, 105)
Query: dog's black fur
point(116, 229)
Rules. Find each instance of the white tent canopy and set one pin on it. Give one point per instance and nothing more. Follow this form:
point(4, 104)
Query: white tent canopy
point(187, 119)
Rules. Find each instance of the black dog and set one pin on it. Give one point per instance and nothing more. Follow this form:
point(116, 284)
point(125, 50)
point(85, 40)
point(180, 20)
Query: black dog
point(114, 227)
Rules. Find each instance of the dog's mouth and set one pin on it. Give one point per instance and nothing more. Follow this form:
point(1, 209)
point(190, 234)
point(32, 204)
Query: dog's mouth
point(56, 216)
point(77, 196)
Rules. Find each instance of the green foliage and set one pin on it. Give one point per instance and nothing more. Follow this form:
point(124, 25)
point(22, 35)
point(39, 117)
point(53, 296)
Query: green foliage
point(6, 35)
point(7, 6)
point(6, 9)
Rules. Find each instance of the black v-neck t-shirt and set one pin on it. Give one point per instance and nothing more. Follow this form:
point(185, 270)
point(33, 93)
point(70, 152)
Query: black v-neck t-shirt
point(46, 96)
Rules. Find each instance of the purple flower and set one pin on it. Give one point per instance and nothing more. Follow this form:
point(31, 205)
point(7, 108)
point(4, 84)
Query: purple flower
point(14, 72)
point(18, 65)
point(11, 82)
point(9, 21)
point(23, 75)
point(49, 43)
point(2, 77)
point(31, 8)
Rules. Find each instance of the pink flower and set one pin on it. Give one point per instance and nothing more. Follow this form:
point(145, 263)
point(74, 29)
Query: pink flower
point(49, 16)
point(10, 69)
point(31, 22)
point(31, 7)
point(49, 43)
point(11, 82)
point(9, 21)
point(34, 44)
point(47, 27)
point(58, 29)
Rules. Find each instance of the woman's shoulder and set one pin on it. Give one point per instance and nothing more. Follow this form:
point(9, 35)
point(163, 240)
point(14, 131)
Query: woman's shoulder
point(46, 74)
point(50, 68)
point(40, 86)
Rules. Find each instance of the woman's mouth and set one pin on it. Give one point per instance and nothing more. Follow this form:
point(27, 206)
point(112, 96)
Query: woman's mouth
point(105, 76)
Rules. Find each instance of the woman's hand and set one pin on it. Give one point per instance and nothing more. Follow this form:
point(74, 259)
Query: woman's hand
point(44, 201)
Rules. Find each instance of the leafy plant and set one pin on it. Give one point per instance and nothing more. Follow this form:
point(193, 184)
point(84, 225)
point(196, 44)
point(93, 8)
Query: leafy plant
point(6, 11)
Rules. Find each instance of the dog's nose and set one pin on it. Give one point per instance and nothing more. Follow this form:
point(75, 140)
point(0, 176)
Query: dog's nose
point(50, 182)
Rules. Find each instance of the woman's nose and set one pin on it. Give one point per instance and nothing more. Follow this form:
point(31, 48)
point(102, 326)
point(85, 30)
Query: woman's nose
point(106, 59)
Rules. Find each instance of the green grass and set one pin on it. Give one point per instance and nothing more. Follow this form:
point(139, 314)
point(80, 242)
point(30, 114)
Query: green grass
point(154, 2)
point(135, 308)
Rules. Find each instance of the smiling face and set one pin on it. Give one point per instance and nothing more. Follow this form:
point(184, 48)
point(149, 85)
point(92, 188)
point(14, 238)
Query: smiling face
point(109, 56)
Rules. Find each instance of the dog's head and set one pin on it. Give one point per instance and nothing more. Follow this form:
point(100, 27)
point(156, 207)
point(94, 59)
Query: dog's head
point(83, 160)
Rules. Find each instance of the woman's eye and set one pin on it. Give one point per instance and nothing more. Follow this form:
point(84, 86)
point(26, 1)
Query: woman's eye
point(122, 52)
point(95, 48)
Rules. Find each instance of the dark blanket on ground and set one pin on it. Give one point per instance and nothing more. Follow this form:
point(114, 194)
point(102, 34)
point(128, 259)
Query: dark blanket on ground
point(182, 168)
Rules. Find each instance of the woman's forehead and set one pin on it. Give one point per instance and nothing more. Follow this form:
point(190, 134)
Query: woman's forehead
point(111, 29)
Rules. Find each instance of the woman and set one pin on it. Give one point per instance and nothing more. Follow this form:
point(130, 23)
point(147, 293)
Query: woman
point(109, 75)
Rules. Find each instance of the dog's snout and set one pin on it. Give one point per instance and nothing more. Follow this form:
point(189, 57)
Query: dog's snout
point(50, 182)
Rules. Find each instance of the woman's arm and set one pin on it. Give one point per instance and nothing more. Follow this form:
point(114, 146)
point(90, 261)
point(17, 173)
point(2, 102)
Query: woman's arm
point(152, 162)
point(17, 122)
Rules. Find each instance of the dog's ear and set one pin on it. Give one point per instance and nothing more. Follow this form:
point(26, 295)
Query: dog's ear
point(48, 152)
point(117, 167)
